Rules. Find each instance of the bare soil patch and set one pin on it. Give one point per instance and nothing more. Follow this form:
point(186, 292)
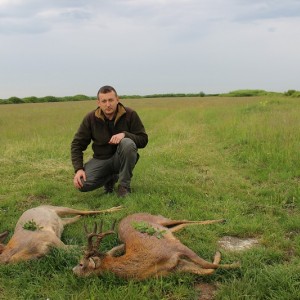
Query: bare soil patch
point(236, 244)
point(207, 291)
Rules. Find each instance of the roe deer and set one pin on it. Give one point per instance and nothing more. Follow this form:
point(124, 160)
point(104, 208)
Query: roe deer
point(39, 229)
point(149, 249)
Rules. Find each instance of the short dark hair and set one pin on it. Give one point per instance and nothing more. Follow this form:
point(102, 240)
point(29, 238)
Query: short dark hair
point(106, 89)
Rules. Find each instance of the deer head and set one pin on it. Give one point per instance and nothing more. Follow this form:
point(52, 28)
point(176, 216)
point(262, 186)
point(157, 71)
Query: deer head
point(92, 258)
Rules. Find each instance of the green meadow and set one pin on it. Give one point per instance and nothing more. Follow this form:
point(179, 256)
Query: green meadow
point(236, 158)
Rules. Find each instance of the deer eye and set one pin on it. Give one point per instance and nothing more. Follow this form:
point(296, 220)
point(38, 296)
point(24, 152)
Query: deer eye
point(83, 264)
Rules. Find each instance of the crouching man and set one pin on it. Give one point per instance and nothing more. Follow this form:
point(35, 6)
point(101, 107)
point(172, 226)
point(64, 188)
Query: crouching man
point(116, 133)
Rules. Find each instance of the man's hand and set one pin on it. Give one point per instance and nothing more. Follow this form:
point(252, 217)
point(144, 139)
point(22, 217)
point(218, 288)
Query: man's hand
point(117, 138)
point(80, 174)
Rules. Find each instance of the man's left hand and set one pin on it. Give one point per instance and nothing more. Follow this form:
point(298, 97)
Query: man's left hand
point(117, 138)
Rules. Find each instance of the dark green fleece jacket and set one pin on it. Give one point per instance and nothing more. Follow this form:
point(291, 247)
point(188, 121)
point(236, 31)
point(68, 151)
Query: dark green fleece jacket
point(95, 128)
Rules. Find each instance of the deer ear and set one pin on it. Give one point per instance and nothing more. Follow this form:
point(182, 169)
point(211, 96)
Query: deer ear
point(3, 236)
point(95, 262)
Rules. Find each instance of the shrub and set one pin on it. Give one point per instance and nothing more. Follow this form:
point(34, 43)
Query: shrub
point(2, 101)
point(246, 93)
point(80, 98)
point(292, 93)
point(49, 99)
point(31, 99)
point(15, 100)
point(289, 92)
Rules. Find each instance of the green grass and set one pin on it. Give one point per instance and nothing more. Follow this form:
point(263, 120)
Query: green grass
point(236, 158)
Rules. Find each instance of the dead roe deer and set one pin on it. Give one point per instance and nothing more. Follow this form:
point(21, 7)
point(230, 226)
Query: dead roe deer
point(149, 249)
point(39, 229)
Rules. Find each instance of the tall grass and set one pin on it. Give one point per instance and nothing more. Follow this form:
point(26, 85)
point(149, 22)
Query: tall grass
point(217, 157)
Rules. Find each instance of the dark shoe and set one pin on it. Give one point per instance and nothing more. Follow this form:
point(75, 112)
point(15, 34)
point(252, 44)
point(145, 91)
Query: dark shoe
point(123, 191)
point(109, 185)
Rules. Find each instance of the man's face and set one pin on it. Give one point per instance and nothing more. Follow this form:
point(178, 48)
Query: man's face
point(108, 103)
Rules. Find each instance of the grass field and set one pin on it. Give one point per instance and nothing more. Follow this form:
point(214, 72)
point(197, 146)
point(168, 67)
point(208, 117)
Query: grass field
point(207, 158)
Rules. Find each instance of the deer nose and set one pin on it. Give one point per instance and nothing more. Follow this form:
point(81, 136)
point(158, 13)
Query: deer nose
point(77, 270)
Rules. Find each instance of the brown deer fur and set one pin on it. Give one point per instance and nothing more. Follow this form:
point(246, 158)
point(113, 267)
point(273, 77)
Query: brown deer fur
point(29, 244)
point(145, 255)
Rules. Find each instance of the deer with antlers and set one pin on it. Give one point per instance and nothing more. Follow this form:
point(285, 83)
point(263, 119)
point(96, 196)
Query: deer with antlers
point(149, 249)
point(38, 230)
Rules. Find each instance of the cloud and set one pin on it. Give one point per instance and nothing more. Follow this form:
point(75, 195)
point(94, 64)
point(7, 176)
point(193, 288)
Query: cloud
point(32, 16)
point(184, 18)
point(268, 9)
point(66, 47)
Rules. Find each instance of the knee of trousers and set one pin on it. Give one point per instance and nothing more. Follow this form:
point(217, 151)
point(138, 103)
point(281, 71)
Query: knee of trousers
point(89, 186)
point(127, 146)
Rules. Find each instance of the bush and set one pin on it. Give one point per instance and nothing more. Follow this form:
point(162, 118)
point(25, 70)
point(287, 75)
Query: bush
point(15, 100)
point(246, 93)
point(2, 101)
point(292, 93)
point(80, 98)
point(49, 99)
point(31, 99)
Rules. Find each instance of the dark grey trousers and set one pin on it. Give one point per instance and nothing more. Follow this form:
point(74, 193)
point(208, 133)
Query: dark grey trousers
point(121, 164)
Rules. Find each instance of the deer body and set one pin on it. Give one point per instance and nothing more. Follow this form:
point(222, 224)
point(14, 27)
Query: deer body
point(28, 244)
point(146, 255)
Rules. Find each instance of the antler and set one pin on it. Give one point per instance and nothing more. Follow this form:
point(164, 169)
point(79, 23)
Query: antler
point(92, 249)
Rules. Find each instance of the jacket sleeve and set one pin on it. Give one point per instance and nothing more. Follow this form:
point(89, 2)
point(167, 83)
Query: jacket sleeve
point(80, 142)
point(137, 131)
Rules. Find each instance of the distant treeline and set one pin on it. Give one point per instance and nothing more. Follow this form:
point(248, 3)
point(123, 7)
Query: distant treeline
point(33, 99)
point(237, 93)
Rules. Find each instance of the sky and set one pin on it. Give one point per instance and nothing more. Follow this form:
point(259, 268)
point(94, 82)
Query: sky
point(142, 47)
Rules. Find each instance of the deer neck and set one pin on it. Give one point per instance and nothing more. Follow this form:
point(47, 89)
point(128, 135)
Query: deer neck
point(120, 266)
point(126, 266)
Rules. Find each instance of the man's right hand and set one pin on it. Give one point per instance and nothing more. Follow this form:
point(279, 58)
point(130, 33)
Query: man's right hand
point(79, 176)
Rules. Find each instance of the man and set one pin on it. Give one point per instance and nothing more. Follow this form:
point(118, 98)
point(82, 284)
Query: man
point(117, 132)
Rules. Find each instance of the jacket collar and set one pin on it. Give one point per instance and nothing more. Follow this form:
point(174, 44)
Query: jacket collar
point(120, 112)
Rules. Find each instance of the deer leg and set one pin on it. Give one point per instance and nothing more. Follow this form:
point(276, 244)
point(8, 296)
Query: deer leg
point(116, 251)
point(3, 236)
point(62, 211)
point(185, 266)
point(176, 225)
point(58, 243)
point(162, 268)
point(66, 221)
point(187, 252)
point(190, 267)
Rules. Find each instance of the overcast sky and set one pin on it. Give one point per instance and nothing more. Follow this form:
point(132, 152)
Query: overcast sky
point(70, 47)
